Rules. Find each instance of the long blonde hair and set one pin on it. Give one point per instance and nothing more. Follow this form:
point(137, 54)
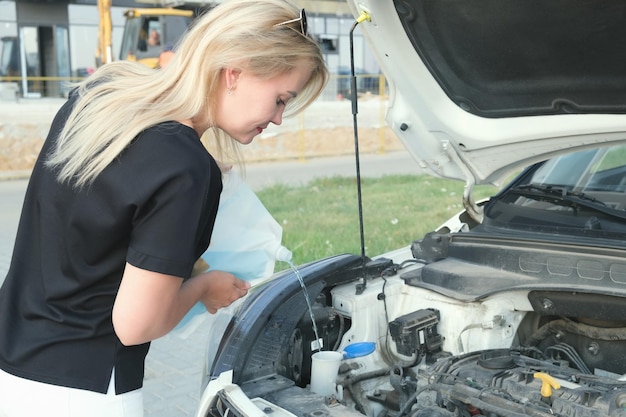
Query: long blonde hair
point(123, 98)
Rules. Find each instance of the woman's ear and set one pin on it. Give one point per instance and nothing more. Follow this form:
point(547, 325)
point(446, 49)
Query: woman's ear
point(232, 76)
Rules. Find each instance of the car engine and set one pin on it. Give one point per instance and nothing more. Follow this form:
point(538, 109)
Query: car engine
point(501, 382)
point(542, 375)
point(535, 352)
point(464, 325)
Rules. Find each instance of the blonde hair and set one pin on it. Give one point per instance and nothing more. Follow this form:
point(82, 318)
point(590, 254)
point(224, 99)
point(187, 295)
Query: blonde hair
point(123, 98)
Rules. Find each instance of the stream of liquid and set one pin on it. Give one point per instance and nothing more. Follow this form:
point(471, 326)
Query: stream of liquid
point(318, 343)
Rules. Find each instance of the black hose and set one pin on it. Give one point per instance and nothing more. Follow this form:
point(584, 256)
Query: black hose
point(349, 381)
point(580, 329)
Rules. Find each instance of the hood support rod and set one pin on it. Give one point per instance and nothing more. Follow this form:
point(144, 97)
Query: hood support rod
point(353, 96)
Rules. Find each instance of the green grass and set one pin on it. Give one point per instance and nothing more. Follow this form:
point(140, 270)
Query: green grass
point(321, 218)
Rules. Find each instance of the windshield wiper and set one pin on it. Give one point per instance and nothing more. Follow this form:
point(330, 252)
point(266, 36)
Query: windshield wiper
point(562, 193)
point(564, 197)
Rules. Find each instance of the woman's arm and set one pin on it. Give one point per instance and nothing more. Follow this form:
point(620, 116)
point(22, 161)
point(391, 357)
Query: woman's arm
point(149, 304)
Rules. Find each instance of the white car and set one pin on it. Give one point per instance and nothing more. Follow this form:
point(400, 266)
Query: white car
point(515, 307)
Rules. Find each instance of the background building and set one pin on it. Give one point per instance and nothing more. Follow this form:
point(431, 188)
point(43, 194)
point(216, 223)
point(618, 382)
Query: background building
point(46, 43)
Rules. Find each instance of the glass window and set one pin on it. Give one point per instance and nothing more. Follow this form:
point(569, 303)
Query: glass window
point(9, 57)
point(7, 11)
point(9, 48)
point(83, 53)
point(82, 15)
point(316, 25)
point(332, 26)
point(31, 50)
point(63, 57)
point(607, 172)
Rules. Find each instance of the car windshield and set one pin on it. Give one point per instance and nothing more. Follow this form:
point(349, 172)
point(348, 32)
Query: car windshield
point(575, 193)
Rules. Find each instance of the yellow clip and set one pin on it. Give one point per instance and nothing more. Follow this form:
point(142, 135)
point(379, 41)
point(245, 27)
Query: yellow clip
point(363, 17)
point(547, 384)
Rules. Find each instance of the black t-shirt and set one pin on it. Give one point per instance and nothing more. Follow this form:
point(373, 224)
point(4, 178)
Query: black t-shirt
point(153, 207)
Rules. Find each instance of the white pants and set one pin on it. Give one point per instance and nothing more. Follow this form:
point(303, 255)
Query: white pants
point(22, 397)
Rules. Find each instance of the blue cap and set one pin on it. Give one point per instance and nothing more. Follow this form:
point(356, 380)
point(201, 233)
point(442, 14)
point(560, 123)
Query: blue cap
point(356, 350)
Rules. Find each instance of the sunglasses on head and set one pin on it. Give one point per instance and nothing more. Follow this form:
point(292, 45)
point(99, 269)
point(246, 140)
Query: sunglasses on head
point(301, 19)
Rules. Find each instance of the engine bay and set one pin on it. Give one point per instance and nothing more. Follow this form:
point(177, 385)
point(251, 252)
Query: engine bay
point(491, 350)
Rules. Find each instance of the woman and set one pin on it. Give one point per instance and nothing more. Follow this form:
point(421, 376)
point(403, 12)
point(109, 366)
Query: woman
point(122, 201)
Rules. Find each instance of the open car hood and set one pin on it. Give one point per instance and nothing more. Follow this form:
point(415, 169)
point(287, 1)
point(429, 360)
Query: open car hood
point(479, 88)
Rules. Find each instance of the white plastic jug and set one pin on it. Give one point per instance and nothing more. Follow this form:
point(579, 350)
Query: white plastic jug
point(246, 242)
point(246, 239)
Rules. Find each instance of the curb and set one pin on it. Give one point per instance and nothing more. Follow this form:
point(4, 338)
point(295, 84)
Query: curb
point(14, 175)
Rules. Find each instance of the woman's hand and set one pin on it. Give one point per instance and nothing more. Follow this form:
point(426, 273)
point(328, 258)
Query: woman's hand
point(150, 304)
point(222, 289)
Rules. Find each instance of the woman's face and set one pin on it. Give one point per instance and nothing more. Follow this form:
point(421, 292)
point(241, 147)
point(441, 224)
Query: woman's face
point(248, 104)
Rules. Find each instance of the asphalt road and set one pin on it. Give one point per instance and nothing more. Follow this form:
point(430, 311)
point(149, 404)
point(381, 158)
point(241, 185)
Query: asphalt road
point(174, 365)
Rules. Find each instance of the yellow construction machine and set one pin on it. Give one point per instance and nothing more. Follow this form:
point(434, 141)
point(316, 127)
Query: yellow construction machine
point(148, 32)
point(104, 51)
